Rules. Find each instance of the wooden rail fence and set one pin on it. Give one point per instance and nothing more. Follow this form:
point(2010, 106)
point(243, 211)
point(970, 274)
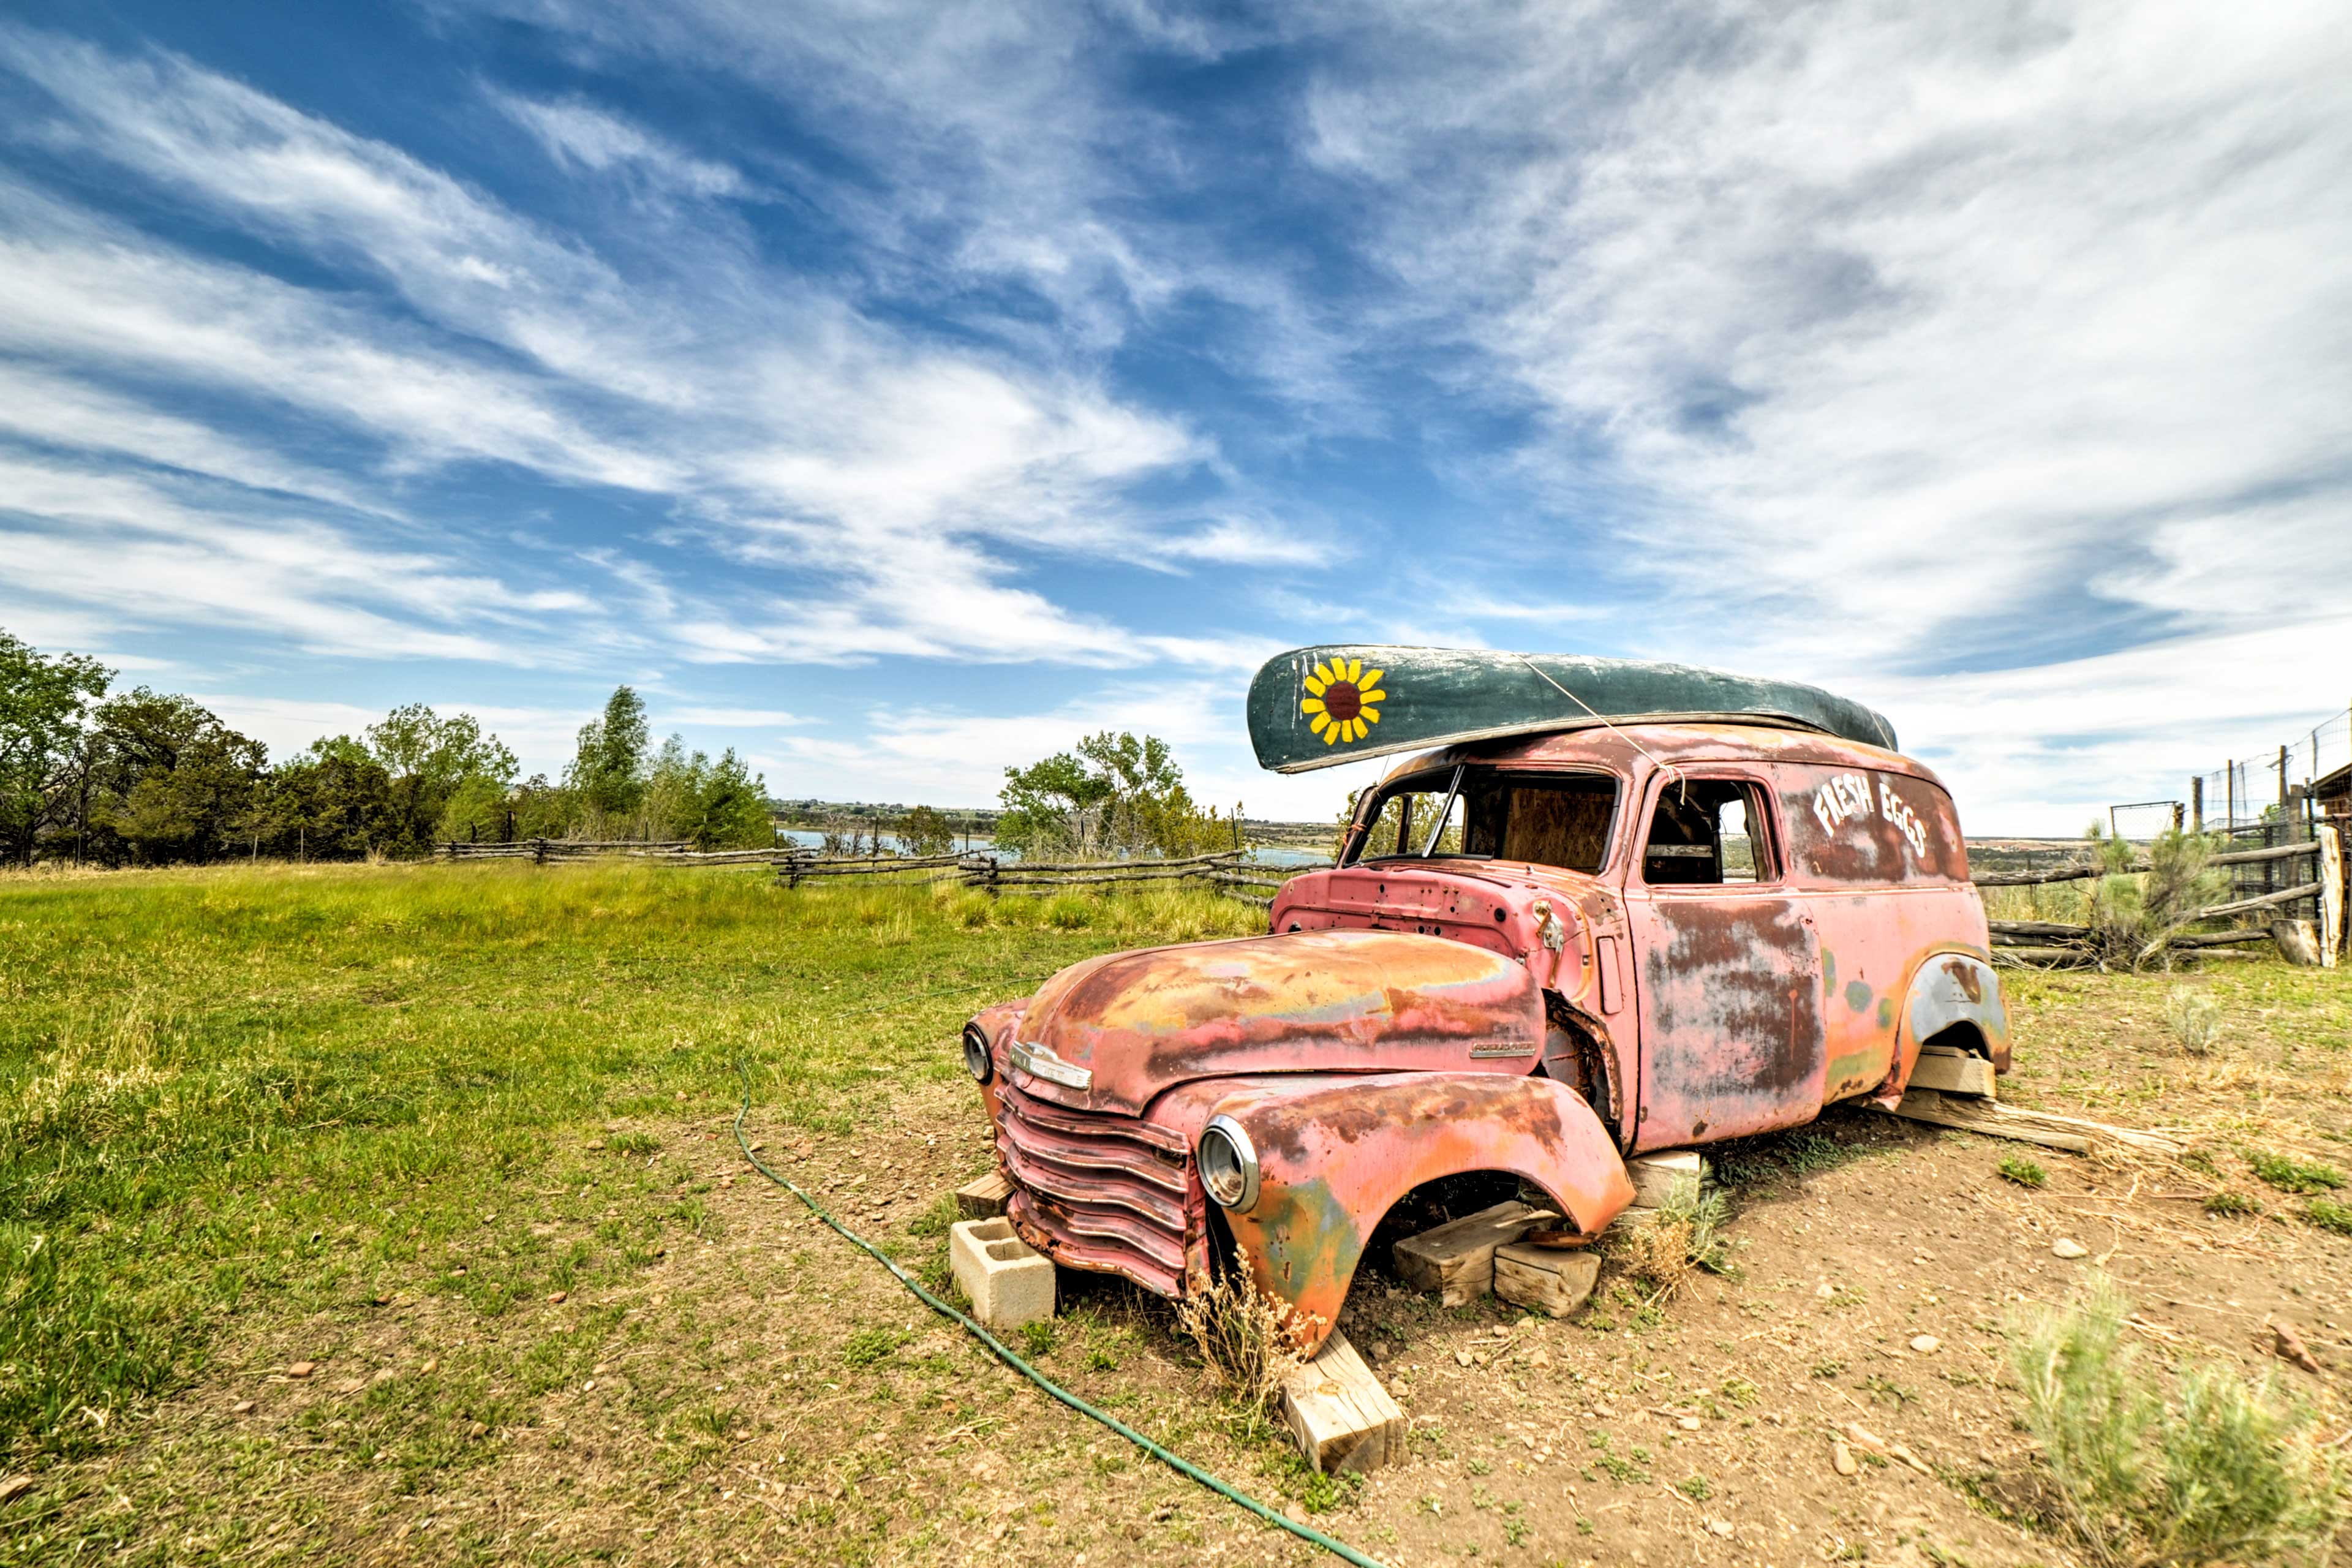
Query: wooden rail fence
point(1229, 872)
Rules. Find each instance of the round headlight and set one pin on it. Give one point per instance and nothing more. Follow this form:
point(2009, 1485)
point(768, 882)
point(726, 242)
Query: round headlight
point(975, 1053)
point(1228, 1164)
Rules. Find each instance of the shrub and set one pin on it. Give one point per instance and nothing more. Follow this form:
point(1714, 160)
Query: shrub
point(1250, 1342)
point(2194, 1018)
point(2132, 919)
point(2019, 1169)
point(2212, 1468)
point(2223, 1203)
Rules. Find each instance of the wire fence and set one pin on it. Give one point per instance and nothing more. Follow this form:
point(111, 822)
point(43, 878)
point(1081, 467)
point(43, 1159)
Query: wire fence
point(2247, 791)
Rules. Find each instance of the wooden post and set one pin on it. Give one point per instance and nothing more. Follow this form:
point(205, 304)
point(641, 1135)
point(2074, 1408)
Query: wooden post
point(2229, 784)
point(539, 850)
point(2197, 804)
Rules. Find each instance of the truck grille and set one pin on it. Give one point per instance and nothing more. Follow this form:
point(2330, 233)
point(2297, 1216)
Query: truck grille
point(1109, 1193)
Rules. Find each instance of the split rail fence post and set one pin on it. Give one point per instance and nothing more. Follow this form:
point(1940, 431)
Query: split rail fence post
point(539, 851)
point(2197, 804)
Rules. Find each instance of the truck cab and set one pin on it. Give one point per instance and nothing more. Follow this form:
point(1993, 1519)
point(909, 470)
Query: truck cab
point(1535, 955)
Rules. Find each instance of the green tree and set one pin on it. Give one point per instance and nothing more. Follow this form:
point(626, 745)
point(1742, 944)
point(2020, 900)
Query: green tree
point(1115, 794)
point(924, 831)
point(170, 780)
point(732, 805)
point(610, 767)
point(43, 759)
point(447, 777)
point(333, 802)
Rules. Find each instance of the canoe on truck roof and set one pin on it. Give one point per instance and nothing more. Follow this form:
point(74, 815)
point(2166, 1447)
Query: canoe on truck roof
point(1316, 707)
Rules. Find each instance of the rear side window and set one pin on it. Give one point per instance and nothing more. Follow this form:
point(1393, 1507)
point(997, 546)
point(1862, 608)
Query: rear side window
point(1862, 828)
point(1708, 833)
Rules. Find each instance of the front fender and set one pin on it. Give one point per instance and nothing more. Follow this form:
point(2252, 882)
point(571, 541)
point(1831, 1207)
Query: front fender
point(1949, 988)
point(1333, 1157)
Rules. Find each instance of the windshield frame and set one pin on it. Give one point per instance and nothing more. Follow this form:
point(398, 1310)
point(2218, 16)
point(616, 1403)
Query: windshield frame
point(1428, 780)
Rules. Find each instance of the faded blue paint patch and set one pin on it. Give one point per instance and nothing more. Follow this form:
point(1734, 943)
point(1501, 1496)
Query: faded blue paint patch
point(1857, 994)
point(1886, 1011)
point(1307, 1235)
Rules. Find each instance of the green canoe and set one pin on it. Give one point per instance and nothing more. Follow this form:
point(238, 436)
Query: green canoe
point(1318, 707)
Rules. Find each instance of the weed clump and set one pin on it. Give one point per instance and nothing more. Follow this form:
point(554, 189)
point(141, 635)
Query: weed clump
point(1250, 1342)
point(1685, 1237)
point(2329, 1214)
point(2016, 1168)
point(2289, 1174)
point(2207, 1470)
point(2224, 1204)
point(2194, 1018)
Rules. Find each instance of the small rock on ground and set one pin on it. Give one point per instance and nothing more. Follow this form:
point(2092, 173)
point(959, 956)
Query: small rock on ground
point(1926, 1344)
point(2067, 1246)
point(1841, 1459)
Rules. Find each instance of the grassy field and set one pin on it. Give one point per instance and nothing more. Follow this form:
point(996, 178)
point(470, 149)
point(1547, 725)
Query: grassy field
point(456, 1136)
point(237, 1099)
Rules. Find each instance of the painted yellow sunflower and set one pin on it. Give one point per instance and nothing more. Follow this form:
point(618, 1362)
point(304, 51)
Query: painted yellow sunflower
point(1340, 698)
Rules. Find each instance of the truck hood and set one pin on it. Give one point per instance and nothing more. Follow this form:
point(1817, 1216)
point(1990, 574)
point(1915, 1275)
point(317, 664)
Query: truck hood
point(1137, 1024)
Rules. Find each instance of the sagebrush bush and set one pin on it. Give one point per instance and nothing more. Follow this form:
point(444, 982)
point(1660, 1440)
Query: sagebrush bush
point(2212, 1468)
point(2194, 1018)
point(2133, 916)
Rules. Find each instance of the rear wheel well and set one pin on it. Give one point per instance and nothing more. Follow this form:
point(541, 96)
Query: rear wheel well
point(1961, 1035)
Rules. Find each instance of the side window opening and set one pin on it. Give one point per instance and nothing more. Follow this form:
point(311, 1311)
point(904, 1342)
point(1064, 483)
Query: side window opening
point(1708, 832)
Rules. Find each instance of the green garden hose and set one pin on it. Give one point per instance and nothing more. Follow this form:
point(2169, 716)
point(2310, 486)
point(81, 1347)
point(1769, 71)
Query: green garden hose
point(1340, 1549)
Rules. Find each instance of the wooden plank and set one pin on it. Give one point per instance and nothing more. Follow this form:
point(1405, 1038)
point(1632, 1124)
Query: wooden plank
point(984, 1198)
point(1339, 1413)
point(1550, 1280)
point(2038, 928)
point(1928, 1105)
point(2283, 896)
point(1952, 1072)
point(2075, 1135)
point(2331, 895)
point(1457, 1259)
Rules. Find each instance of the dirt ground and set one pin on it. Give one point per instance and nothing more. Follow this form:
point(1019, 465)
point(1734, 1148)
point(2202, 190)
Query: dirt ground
point(837, 1419)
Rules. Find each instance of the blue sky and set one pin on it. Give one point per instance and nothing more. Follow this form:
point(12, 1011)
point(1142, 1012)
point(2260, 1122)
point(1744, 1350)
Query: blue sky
point(898, 391)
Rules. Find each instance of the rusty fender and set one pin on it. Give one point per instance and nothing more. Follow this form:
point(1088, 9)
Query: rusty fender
point(1948, 988)
point(1333, 1155)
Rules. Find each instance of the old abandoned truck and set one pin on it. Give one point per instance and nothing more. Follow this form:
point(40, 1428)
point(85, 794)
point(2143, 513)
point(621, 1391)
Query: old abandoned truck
point(1609, 908)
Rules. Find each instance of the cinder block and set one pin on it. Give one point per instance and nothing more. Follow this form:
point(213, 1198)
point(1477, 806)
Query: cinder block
point(1954, 1072)
point(985, 1198)
point(1552, 1280)
point(1655, 1175)
point(1009, 1281)
point(1340, 1416)
point(1457, 1259)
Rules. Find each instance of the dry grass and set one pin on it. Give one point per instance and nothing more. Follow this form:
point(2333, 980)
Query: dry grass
point(1249, 1340)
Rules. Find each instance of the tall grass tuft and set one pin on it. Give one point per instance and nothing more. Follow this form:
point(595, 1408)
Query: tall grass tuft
point(1249, 1340)
point(2210, 1469)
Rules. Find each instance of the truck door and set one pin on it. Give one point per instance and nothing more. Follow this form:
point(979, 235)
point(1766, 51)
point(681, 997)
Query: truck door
point(1726, 966)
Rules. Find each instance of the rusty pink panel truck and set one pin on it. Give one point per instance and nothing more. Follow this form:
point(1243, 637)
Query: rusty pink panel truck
point(1597, 908)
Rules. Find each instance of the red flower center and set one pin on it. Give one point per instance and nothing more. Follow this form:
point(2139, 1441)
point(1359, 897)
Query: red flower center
point(1342, 700)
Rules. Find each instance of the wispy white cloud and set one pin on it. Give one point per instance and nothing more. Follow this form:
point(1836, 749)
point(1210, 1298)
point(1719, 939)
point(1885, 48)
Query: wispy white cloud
point(583, 136)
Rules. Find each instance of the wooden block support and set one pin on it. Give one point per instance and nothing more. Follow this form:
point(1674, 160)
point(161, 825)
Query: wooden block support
point(1655, 1176)
point(1943, 1069)
point(1340, 1416)
point(1457, 1259)
point(1552, 1280)
point(985, 1198)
